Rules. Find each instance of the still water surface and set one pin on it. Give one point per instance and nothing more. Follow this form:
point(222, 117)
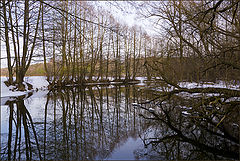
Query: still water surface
point(89, 123)
point(101, 123)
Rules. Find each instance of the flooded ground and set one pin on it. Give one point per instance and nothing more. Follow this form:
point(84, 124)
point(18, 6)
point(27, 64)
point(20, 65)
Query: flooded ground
point(104, 123)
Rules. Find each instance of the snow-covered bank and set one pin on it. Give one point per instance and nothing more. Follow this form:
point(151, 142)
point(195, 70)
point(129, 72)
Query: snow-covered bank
point(231, 85)
point(38, 82)
point(218, 84)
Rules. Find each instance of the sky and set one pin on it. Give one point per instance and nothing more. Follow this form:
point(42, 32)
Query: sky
point(3, 54)
point(126, 12)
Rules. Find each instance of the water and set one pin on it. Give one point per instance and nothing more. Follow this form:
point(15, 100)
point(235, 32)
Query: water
point(89, 123)
point(101, 123)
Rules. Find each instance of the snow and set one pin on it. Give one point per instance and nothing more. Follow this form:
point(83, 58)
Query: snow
point(135, 104)
point(38, 82)
point(185, 113)
point(141, 79)
point(7, 91)
point(218, 84)
point(151, 109)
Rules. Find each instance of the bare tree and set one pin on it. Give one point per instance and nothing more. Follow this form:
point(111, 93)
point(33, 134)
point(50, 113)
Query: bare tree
point(26, 32)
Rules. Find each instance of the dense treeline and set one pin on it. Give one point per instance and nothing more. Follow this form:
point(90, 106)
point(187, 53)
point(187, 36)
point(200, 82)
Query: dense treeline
point(80, 42)
point(203, 35)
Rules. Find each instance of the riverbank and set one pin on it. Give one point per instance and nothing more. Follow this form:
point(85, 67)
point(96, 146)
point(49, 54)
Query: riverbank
point(38, 83)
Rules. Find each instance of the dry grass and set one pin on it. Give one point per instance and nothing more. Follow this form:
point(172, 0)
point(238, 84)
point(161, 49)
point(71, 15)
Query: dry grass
point(34, 70)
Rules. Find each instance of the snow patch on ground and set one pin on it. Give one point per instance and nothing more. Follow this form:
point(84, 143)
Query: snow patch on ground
point(189, 85)
point(38, 82)
point(141, 79)
point(218, 84)
point(7, 91)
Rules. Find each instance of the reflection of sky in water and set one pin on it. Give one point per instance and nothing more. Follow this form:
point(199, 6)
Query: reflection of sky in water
point(4, 119)
point(126, 150)
point(35, 105)
point(123, 138)
point(102, 124)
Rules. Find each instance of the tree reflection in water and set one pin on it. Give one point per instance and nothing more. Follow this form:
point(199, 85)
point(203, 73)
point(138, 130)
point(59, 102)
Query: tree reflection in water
point(186, 129)
point(23, 144)
point(90, 123)
point(79, 123)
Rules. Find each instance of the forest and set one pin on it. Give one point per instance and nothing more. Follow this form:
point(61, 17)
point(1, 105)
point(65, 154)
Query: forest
point(80, 44)
point(199, 41)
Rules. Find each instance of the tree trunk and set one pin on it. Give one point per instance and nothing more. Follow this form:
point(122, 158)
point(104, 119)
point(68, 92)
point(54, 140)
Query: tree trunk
point(10, 72)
